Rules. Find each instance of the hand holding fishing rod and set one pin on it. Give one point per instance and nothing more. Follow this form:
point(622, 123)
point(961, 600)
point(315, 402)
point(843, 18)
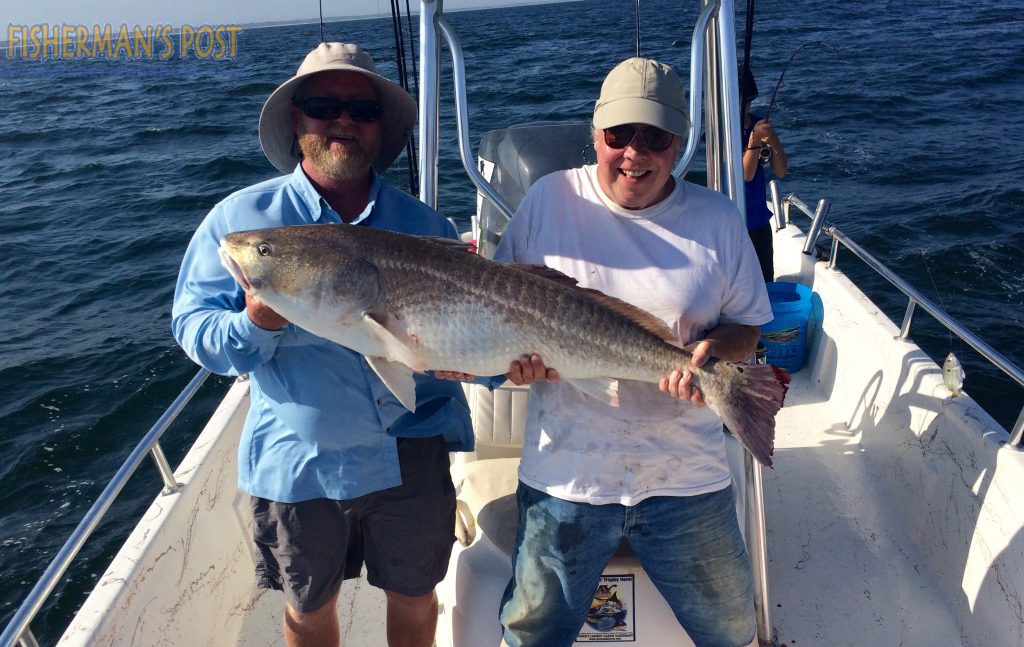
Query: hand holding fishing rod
point(763, 146)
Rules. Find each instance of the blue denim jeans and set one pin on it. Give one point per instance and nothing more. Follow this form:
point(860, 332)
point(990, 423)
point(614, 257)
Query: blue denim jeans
point(691, 548)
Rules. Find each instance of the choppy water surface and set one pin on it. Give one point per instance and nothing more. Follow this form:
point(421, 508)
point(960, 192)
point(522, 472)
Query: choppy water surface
point(106, 168)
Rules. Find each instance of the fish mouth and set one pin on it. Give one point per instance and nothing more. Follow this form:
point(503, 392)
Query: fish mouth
point(233, 268)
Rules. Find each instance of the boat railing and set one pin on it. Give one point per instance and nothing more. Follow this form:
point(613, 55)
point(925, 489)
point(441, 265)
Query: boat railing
point(696, 88)
point(18, 631)
point(443, 28)
point(462, 119)
point(914, 297)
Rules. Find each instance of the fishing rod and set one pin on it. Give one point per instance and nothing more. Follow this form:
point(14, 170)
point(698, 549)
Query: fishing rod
point(748, 34)
point(766, 152)
point(775, 93)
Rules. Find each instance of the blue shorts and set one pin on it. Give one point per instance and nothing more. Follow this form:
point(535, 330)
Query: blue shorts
point(691, 548)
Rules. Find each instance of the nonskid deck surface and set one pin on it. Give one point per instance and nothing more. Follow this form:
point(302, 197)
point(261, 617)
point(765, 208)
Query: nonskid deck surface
point(840, 573)
point(361, 609)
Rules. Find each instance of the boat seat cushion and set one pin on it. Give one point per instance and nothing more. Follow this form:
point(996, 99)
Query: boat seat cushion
point(499, 416)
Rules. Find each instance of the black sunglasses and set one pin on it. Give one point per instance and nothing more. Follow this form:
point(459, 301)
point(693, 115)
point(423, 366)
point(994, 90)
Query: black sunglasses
point(654, 139)
point(328, 108)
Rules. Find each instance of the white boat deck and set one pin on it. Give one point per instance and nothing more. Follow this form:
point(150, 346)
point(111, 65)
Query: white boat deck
point(840, 571)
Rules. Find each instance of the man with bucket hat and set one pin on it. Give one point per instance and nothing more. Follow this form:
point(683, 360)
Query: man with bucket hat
point(652, 471)
point(339, 472)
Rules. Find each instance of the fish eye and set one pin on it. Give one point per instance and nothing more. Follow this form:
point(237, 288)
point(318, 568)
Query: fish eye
point(263, 249)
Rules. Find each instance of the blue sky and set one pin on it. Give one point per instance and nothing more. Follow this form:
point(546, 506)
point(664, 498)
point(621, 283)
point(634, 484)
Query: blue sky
point(194, 12)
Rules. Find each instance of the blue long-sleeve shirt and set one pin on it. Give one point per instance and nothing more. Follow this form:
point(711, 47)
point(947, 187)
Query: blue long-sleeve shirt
point(321, 423)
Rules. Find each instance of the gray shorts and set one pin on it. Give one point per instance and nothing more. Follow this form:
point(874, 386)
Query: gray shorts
point(403, 534)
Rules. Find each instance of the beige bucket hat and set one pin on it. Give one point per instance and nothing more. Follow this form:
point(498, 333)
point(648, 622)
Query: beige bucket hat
point(277, 137)
point(642, 91)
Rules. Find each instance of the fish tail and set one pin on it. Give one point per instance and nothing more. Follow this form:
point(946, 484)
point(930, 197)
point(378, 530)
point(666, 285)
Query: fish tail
point(749, 408)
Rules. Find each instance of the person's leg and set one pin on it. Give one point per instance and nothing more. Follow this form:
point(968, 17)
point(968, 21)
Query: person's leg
point(317, 628)
point(694, 553)
point(407, 537)
point(412, 621)
point(762, 238)
point(301, 550)
point(561, 550)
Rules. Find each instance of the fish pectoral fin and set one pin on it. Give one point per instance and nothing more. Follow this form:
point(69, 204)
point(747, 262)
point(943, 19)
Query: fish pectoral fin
point(398, 378)
point(603, 389)
point(394, 348)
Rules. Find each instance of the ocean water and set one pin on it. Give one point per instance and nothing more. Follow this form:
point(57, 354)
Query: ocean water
point(908, 127)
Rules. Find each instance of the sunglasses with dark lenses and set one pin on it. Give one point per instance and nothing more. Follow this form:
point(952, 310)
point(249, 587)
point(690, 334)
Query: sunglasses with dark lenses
point(654, 139)
point(328, 108)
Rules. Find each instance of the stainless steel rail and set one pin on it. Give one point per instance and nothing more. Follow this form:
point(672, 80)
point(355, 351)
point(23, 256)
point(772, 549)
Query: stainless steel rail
point(462, 111)
point(776, 206)
point(712, 99)
point(756, 533)
point(732, 126)
point(462, 119)
point(914, 298)
point(1016, 440)
point(696, 88)
point(17, 631)
point(430, 84)
point(817, 216)
point(725, 173)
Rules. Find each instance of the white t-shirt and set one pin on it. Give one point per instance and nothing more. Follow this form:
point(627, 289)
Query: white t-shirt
point(689, 261)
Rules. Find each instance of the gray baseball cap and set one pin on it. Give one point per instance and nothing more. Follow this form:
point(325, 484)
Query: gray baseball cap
point(397, 120)
point(642, 91)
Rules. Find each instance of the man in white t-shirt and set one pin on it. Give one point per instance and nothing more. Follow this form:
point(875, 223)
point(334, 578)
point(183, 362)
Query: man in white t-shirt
point(653, 470)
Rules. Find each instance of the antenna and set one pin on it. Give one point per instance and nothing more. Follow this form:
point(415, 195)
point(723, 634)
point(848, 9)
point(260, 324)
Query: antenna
point(321, 3)
point(638, 28)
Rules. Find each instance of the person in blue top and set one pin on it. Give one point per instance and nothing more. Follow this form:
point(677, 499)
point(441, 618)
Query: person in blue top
point(762, 146)
point(339, 472)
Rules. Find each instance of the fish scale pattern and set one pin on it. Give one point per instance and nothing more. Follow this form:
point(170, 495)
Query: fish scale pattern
point(473, 315)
